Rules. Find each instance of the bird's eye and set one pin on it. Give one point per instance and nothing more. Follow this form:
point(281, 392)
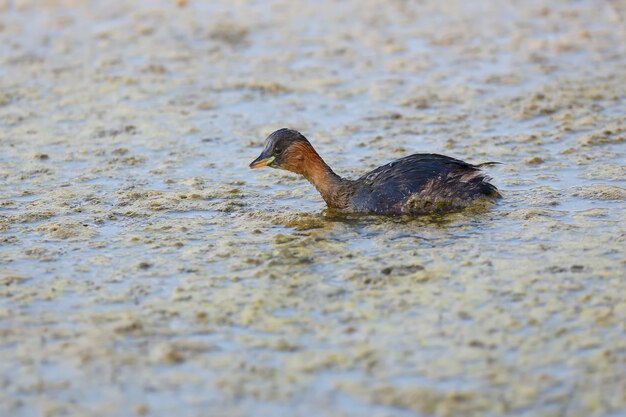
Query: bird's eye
point(278, 151)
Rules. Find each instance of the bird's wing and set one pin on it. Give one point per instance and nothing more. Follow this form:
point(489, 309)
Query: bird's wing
point(432, 175)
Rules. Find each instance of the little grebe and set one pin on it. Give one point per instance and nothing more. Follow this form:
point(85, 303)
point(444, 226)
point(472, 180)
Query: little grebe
point(415, 184)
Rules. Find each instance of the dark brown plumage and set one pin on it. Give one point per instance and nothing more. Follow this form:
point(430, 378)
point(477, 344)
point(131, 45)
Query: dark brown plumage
point(416, 184)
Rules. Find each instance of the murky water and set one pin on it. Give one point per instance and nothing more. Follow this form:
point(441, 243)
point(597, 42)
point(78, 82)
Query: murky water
point(145, 270)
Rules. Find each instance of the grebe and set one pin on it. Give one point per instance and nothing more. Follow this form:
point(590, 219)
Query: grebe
point(415, 184)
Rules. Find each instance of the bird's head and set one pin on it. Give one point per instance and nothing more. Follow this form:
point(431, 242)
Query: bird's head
point(285, 149)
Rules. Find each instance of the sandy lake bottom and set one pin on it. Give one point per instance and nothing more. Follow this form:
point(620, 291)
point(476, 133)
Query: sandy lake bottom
point(145, 270)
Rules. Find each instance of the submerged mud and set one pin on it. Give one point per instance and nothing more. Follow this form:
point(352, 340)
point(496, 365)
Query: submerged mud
point(145, 270)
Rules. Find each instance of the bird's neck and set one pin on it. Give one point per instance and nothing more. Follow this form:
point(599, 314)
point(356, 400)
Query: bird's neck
point(332, 187)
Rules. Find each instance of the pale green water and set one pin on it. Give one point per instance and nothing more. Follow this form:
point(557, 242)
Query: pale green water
point(144, 269)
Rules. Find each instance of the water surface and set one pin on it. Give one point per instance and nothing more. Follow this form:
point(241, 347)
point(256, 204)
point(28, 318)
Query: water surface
point(144, 269)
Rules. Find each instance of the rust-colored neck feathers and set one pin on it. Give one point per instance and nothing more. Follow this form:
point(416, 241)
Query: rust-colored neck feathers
point(302, 159)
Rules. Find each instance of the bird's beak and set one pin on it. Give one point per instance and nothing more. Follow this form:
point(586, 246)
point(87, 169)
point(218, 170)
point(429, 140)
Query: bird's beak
point(262, 161)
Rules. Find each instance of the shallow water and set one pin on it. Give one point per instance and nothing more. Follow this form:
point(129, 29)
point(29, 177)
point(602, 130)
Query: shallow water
point(144, 269)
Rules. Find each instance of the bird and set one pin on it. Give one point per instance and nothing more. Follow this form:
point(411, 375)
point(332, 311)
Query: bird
point(422, 183)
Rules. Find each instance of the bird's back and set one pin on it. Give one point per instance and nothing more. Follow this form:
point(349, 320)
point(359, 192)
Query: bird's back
point(421, 183)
